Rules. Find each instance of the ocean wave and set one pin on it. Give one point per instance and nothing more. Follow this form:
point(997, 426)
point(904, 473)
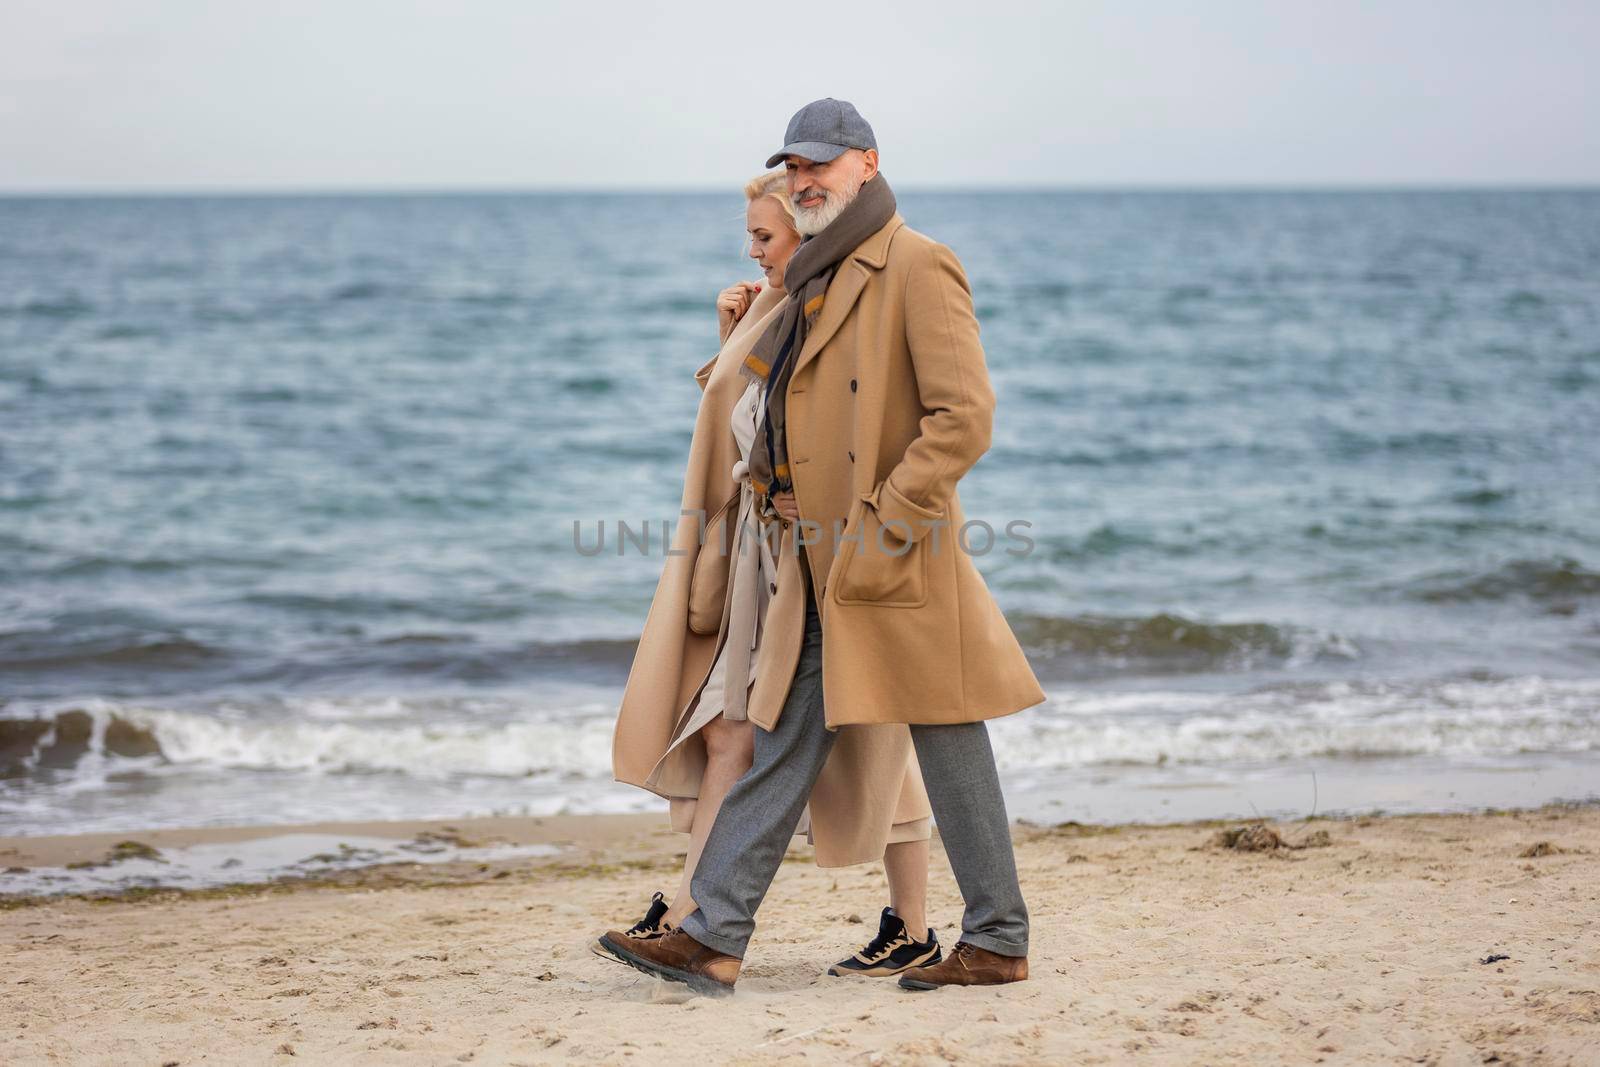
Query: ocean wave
point(1360, 444)
point(357, 291)
point(1060, 646)
point(1456, 719)
point(1482, 498)
point(1541, 580)
point(449, 738)
point(150, 651)
point(316, 735)
point(1171, 643)
point(70, 306)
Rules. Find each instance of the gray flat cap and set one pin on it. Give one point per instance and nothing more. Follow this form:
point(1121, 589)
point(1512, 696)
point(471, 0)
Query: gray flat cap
point(822, 130)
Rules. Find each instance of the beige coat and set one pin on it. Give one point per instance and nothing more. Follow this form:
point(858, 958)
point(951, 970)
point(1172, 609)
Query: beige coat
point(889, 404)
point(870, 792)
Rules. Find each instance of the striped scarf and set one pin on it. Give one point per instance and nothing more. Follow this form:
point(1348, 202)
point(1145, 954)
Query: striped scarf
point(806, 277)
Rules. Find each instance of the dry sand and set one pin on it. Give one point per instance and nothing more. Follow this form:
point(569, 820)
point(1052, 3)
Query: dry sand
point(1151, 945)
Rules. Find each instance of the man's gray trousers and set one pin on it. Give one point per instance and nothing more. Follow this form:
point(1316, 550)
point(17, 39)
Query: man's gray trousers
point(761, 810)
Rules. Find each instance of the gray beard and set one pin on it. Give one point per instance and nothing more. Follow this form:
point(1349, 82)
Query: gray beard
point(812, 221)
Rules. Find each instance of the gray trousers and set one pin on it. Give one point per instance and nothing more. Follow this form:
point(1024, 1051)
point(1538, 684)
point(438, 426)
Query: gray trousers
point(761, 810)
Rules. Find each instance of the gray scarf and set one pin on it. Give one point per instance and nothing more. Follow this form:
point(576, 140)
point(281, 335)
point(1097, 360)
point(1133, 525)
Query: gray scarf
point(806, 277)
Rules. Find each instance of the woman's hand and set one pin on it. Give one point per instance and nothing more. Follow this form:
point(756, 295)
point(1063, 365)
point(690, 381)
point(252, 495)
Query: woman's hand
point(787, 509)
point(733, 302)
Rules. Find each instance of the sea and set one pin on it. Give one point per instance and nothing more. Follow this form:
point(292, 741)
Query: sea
point(292, 490)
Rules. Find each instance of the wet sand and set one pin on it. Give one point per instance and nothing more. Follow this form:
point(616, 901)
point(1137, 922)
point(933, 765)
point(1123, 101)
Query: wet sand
point(1151, 944)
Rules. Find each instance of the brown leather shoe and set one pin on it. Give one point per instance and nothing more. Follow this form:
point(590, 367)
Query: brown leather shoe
point(677, 957)
point(967, 965)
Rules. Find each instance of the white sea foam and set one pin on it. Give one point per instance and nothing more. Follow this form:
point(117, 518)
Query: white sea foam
point(563, 745)
point(1462, 720)
point(253, 860)
point(439, 739)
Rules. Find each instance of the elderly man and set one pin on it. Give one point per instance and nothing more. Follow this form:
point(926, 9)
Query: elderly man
point(877, 402)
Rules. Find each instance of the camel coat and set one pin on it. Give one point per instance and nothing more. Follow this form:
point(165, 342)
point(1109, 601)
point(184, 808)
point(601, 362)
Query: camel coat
point(889, 404)
point(870, 792)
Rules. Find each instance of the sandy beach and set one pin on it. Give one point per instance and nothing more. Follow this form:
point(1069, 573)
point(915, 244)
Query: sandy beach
point(1155, 944)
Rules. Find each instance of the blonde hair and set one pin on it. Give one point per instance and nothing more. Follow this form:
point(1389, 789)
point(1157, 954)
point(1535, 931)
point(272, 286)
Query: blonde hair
point(772, 183)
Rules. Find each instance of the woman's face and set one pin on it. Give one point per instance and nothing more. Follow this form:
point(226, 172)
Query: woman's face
point(772, 237)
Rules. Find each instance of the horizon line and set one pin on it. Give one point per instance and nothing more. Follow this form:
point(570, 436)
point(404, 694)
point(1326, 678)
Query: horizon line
point(246, 192)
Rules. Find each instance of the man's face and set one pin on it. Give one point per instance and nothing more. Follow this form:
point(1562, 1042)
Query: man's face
point(819, 191)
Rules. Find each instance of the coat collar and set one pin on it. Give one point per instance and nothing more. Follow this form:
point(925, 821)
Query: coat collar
point(845, 289)
point(874, 251)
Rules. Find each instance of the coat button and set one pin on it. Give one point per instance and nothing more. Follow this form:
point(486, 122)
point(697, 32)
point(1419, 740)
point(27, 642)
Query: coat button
point(852, 385)
point(852, 456)
point(773, 586)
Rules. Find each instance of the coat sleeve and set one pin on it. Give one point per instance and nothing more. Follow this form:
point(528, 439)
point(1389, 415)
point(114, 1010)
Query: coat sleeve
point(953, 386)
point(703, 375)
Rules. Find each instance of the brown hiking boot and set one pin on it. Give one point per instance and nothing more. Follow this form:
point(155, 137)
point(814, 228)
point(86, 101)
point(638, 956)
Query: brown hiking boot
point(677, 957)
point(967, 965)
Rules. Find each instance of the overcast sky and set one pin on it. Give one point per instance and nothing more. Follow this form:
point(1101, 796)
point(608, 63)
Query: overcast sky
point(386, 94)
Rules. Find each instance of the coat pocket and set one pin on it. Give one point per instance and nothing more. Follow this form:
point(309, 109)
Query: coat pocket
point(708, 582)
point(877, 566)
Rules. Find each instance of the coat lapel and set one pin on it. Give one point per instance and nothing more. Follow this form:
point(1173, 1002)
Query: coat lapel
point(760, 315)
point(845, 290)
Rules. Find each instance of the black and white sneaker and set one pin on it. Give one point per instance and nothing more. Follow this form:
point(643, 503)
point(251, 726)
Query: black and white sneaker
point(891, 952)
point(651, 925)
point(648, 928)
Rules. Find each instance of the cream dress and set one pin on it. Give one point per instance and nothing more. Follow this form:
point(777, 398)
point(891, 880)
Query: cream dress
point(751, 577)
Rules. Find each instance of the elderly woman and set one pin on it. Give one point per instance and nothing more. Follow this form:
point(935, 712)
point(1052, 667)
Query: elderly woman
point(682, 731)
